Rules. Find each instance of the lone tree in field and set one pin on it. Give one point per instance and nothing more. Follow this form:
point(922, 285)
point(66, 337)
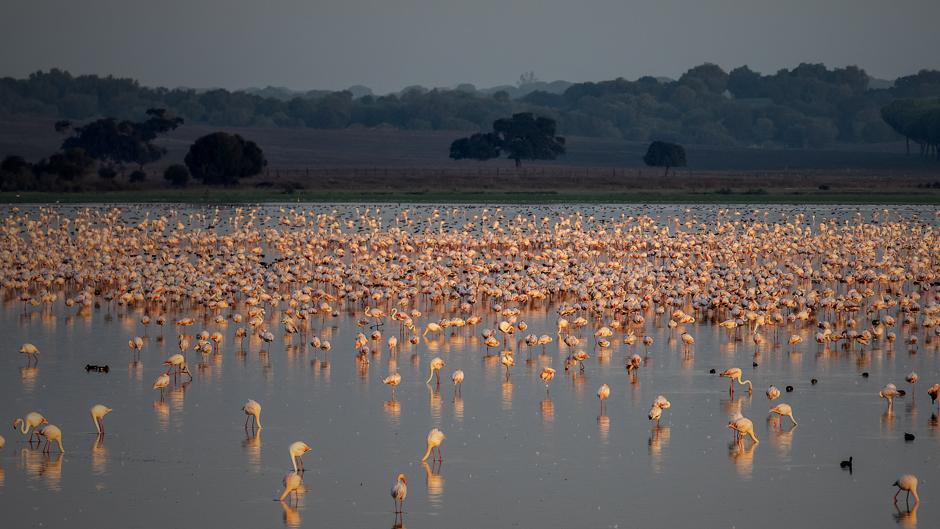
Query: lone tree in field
point(221, 159)
point(665, 154)
point(521, 137)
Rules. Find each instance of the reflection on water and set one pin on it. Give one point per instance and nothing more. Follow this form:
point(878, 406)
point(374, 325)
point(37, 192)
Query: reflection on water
point(99, 456)
point(781, 436)
point(658, 441)
point(742, 455)
point(292, 517)
point(252, 446)
point(548, 411)
point(603, 428)
point(906, 517)
point(435, 483)
point(507, 395)
point(29, 376)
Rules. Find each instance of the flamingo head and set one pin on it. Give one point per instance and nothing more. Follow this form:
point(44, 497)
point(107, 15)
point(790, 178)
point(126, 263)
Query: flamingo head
point(403, 478)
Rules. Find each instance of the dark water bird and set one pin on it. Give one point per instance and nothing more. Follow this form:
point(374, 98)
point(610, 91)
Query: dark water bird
point(755, 364)
point(865, 374)
point(847, 464)
point(908, 436)
point(813, 381)
point(711, 371)
point(789, 389)
point(97, 369)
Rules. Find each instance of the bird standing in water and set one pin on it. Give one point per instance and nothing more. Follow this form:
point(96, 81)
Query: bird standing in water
point(735, 374)
point(547, 375)
point(907, 482)
point(252, 409)
point(98, 411)
point(602, 393)
point(435, 369)
point(784, 410)
point(399, 493)
point(435, 438)
point(29, 424)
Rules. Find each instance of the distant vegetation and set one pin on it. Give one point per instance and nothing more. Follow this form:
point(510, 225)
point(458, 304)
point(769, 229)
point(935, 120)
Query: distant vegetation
point(221, 159)
point(521, 137)
point(918, 120)
point(809, 106)
point(214, 159)
point(665, 154)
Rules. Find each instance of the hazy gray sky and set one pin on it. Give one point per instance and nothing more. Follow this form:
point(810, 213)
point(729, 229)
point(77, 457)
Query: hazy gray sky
point(387, 44)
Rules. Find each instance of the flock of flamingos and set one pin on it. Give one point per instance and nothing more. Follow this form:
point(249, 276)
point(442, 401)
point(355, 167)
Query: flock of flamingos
point(857, 283)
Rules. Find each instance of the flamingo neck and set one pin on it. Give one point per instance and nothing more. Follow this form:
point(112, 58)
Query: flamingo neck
point(24, 427)
point(427, 453)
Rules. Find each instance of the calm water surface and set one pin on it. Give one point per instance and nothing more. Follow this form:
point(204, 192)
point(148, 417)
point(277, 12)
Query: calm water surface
point(514, 457)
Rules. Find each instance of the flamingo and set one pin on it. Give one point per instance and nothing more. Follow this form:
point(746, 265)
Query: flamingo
point(399, 493)
point(547, 375)
point(907, 482)
point(508, 361)
point(633, 363)
point(457, 378)
point(435, 438)
point(252, 409)
point(889, 393)
point(435, 369)
point(393, 381)
point(136, 345)
point(580, 356)
point(98, 411)
point(656, 409)
point(784, 410)
point(743, 426)
point(31, 352)
point(734, 374)
point(53, 434)
point(912, 379)
point(296, 450)
point(933, 391)
point(773, 393)
point(603, 393)
point(29, 424)
point(161, 382)
point(177, 365)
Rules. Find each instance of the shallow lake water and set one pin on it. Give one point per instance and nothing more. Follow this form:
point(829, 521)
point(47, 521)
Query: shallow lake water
point(514, 456)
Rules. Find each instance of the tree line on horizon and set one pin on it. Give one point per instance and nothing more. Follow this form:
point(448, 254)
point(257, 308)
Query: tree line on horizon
point(809, 106)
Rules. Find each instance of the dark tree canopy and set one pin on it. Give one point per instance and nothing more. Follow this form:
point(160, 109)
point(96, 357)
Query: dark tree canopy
point(522, 137)
point(918, 120)
point(665, 154)
point(221, 159)
point(526, 137)
point(177, 175)
point(479, 146)
point(115, 142)
point(70, 165)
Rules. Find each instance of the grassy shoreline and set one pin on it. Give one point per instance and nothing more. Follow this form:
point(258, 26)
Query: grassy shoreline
point(250, 196)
